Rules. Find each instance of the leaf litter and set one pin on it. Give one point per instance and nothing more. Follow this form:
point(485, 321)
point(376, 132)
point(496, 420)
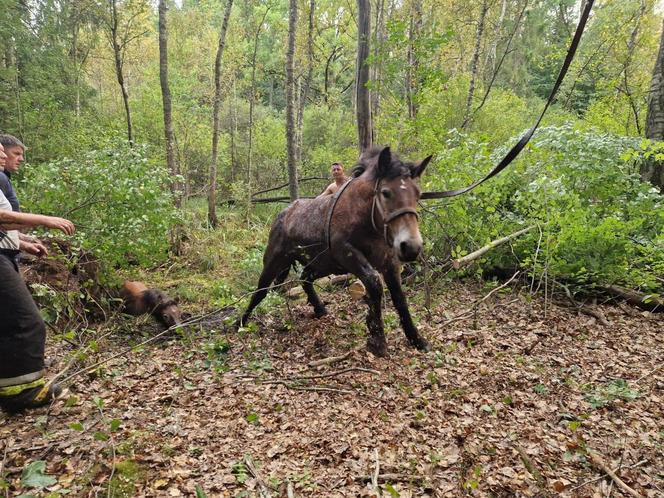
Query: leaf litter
point(510, 403)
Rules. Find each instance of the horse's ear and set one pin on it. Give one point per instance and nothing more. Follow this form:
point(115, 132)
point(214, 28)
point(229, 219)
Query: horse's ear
point(418, 168)
point(384, 162)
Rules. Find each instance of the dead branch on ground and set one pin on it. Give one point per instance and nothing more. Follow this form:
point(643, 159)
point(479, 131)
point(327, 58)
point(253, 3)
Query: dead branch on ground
point(465, 260)
point(599, 462)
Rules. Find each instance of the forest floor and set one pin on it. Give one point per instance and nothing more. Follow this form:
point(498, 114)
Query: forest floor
point(521, 398)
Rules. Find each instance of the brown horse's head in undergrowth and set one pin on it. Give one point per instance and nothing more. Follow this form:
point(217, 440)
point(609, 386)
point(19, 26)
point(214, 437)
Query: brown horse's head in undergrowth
point(395, 196)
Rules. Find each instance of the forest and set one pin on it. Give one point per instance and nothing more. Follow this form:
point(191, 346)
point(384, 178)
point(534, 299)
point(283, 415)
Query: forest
point(172, 133)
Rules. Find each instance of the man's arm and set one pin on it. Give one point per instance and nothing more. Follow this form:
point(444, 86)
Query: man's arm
point(329, 190)
point(10, 220)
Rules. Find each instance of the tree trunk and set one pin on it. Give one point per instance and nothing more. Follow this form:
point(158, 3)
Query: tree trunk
point(307, 80)
point(474, 63)
point(216, 110)
point(651, 170)
point(233, 134)
point(412, 73)
point(252, 97)
point(362, 97)
point(119, 66)
point(166, 100)
point(631, 45)
point(379, 37)
point(291, 132)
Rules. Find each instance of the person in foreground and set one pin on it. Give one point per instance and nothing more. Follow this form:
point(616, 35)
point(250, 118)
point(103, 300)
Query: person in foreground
point(22, 329)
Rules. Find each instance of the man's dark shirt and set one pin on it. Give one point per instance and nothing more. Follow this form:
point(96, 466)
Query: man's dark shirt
point(8, 190)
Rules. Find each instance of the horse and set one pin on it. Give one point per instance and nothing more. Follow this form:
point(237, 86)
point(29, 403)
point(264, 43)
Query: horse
point(367, 228)
point(137, 299)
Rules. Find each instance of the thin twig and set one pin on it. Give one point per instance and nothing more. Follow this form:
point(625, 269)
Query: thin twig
point(599, 462)
point(265, 491)
point(320, 376)
point(332, 359)
point(642, 462)
point(295, 387)
point(8, 443)
point(374, 477)
point(530, 466)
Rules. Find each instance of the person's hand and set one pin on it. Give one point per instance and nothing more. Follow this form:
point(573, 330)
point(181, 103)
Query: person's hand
point(60, 224)
point(36, 248)
point(30, 238)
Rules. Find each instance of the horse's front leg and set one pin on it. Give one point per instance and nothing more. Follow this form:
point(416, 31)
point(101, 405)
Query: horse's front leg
point(356, 263)
point(393, 281)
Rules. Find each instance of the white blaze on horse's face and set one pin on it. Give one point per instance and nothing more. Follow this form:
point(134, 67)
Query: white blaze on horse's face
point(397, 195)
point(407, 239)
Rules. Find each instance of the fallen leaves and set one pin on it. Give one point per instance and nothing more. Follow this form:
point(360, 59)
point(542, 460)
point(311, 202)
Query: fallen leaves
point(444, 424)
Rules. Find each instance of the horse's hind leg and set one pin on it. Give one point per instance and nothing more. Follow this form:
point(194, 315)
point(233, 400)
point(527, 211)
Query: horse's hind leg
point(271, 270)
point(281, 278)
point(355, 262)
point(308, 278)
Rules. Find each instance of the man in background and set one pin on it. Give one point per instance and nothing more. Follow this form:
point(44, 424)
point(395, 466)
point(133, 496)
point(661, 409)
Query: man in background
point(340, 178)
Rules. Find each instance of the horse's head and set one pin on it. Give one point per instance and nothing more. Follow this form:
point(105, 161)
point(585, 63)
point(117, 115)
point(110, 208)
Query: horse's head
point(396, 193)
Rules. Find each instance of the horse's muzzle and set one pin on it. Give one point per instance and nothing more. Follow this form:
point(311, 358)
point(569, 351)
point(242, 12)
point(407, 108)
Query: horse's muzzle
point(409, 250)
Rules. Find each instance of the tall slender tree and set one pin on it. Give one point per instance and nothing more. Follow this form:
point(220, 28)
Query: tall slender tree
point(291, 131)
point(652, 170)
point(216, 112)
point(362, 96)
point(166, 98)
point(474, 63)
point(124, 26)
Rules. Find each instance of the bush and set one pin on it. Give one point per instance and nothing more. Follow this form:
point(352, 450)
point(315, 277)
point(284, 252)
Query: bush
point(600, 223)
point(119, 201)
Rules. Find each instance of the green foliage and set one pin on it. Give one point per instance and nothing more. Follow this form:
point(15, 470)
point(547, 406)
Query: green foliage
point(598, 223)
point(615, 390)
point(119, 201)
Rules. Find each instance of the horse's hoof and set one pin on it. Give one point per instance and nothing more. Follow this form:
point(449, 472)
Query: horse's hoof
point(320, 313)
point(422, 345)
point(377, 348)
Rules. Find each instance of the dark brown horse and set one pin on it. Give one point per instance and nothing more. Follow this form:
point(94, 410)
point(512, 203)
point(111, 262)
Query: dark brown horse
point(366, 229)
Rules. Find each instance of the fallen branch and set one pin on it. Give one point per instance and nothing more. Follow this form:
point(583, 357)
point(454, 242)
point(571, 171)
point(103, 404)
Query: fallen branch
point(582, 308)
point(296, 387)
point(311, 377)
point(265, 490)
point(530, 466)
point(392, 477)
point(460, 262)
point(637, 299)
point(332, 359)
point(599, 462)
point(374, 477)
point(284, 185)
point(603, 476)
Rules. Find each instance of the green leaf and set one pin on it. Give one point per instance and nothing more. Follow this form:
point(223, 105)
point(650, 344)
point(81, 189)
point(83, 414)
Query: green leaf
point(199, 492)
point(101, 436)
point(77, 426)
point(390, 489)
point(34, 476)
point(115, 424)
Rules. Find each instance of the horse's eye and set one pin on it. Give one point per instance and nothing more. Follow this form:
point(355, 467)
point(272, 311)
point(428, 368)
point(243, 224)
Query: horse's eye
point(386, 193)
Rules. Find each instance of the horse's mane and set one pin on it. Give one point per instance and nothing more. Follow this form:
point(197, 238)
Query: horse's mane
point(368, 162)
